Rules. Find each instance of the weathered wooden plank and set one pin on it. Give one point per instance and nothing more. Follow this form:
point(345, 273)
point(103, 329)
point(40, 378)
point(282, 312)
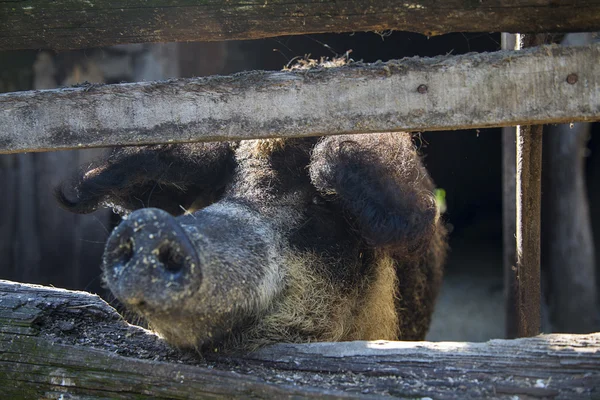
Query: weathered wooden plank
point(55, 342)
point(441, 93)
point(71, 24)
point(500, 366)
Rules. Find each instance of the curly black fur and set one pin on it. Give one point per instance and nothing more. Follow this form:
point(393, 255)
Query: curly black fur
point(382, 185)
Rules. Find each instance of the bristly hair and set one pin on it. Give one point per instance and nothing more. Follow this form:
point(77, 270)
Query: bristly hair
point(382, 185)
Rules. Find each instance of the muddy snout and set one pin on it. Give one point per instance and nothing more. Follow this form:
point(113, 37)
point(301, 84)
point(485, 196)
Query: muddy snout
point(150, 262)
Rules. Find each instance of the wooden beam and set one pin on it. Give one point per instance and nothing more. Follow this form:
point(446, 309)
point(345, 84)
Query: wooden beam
point(56, 343)
point(73, 24)
point(441, 93)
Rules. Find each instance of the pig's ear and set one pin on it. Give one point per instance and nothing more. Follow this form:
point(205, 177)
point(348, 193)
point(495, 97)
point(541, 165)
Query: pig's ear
point(174, 177)
point(381, 185)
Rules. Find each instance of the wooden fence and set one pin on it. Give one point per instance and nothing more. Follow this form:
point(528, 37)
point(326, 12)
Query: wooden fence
point(72, 24)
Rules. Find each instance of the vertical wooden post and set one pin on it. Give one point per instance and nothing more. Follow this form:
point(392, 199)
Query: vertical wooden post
point(509, 214)
point(527, 311)
point(568, 254)
point(529, 176)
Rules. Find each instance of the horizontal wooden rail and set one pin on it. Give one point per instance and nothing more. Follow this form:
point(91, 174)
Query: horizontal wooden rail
point(56, 343)
point(550, 84)
point(74, 24)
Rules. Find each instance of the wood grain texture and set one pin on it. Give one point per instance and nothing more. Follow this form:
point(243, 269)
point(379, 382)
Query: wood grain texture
point(73, 24)
point(509, 213)
point(467, 91)
point(529, 213)
point(57, 343)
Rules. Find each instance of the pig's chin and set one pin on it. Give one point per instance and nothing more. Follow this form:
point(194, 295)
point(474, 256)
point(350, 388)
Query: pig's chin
point(188, 330)
point(185, 333)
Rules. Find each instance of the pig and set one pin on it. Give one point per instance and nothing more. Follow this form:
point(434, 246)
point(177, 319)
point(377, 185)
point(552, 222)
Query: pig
point(235, 245)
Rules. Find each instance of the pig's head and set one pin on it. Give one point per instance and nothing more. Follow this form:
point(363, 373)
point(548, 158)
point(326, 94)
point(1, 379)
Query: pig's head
point(260, 241)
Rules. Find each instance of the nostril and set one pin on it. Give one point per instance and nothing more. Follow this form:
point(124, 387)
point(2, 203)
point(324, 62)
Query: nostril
point(124, 251)
point(170, 258)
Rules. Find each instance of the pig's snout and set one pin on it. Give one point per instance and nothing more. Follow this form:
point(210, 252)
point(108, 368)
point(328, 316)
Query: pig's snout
point(150, 262)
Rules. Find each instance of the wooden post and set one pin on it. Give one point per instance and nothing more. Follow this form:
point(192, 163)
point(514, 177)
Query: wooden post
point(509, 213)
point(529, 175)
point(528, 228)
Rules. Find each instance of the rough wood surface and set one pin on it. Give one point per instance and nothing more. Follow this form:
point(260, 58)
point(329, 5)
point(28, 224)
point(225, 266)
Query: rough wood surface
point(70, 24)
point(441, 93)
point(509, 213)
point(529, 213)
point(56, 344)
